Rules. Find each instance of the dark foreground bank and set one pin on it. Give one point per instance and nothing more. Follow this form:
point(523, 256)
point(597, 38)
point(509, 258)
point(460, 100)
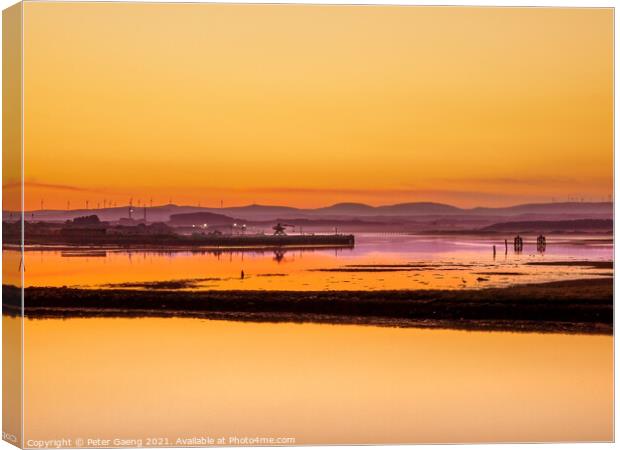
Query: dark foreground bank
point(578, 306)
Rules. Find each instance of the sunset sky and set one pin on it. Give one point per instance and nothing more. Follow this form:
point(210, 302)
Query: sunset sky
point(311, 105)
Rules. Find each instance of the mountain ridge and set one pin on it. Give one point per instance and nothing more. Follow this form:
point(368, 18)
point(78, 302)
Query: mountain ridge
point(337, 210)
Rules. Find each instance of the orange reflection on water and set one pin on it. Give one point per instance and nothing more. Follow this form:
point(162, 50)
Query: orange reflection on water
point(297, 270)
point(181, 378)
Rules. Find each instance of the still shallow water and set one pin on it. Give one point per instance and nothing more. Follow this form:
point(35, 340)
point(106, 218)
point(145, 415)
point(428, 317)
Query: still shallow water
point(185, 378)
point(448, 262)
point(175, 378)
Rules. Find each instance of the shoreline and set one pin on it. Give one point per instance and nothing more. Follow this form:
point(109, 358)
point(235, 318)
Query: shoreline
point(171, 249)
point(84, 238)
point(573, 306)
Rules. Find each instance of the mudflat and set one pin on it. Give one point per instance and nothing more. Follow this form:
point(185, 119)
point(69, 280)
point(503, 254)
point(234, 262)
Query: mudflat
point(573, 306)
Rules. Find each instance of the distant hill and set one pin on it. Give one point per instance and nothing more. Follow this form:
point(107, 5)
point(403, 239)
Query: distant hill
point(420, 208)
point(563, 208)
point(436, 213)
point(260, 212)
point(160, 213)
point(199, 218)
point(346, 208)
point(542, 226)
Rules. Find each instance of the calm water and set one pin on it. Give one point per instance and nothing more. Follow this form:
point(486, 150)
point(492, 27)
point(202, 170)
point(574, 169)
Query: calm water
point(184, 378)
point(188, 378)
point(442, 262)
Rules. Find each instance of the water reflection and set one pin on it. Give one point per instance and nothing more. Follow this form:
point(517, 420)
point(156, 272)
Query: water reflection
point(446, 262)
point(317, 383)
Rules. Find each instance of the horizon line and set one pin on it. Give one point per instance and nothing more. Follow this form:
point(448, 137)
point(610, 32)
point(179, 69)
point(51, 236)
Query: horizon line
point(311, 209)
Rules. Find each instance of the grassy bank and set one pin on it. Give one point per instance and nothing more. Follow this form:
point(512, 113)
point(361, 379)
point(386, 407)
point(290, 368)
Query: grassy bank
point(580, 306)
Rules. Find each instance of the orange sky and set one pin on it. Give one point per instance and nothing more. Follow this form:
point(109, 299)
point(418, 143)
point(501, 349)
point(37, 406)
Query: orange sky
point(311, 105)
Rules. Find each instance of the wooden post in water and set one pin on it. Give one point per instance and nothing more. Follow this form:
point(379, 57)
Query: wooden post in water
point(518, 244)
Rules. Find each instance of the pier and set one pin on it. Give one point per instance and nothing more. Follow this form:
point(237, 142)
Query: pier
point(151, 236)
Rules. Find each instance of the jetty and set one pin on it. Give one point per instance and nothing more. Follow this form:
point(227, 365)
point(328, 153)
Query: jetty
point(162, 236)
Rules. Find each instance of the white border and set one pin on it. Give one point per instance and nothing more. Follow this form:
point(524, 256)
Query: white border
point(547, 3)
